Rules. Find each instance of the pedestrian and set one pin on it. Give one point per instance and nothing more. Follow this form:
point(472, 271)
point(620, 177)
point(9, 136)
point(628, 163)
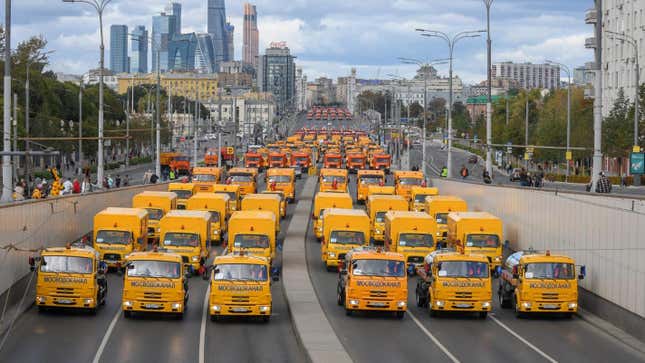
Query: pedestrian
point(154, 178)
point(464, 172)
point(126, 180)
point(118, 181)
point(524, 178)
point(76, 189)
point(105, 183)
point(172, 174)
point(444, 172)
point(509, 167)
point(86, 187)
point(604, 184)
point(18, 193)
point(146, 176)
point(486, 177)
point(67, 187)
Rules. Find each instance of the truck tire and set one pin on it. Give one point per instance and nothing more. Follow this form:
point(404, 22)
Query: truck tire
point(422, 300)
point(127, 314)
point(503, 301)
point(348, 312)
point(482, 314)
point(519, 314)
point(340, 298)
point(400, 314)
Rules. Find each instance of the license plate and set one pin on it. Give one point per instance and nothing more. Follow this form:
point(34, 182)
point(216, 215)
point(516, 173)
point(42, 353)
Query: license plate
point(378, 304)
point(151, 306)
point(463, 306)
point(550, 306)
point(239, 310)
point(65, 301)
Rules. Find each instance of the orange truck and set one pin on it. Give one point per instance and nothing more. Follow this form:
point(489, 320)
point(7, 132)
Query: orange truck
point(211, 157)
point(181, 164)
point(332, 160)
point(253, 159)
point(355, 162)
point(301, 159)
point(278, 160)
point(381, 161)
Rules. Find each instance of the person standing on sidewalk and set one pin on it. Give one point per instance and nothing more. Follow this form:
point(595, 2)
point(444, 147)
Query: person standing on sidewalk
point(444, 172)
point(118, 181)
point(126, 180)
point(604, 185)
point(464, 172)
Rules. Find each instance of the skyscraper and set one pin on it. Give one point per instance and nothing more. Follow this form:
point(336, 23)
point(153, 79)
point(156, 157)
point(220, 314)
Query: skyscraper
point(174, 9)
point(163, 28)
point(229, 54)
point(139, 50)
point(251, 36)
point(277, 75)
point(216, 27)
point(119, 48)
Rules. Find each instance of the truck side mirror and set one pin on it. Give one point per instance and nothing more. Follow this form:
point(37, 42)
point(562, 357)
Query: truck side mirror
point(583, 272)
point(275, 274)
point(515, 272)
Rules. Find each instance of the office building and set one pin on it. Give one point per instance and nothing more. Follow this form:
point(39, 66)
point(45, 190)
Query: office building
point(174, 9)
point(180, 84)
point(276, 74)
point(139, 50)
point(216, 27)
point(301, 90)
point(251, 47)
point(529, 75)
point(230, 45)
point(119, 49)
point(163, 29)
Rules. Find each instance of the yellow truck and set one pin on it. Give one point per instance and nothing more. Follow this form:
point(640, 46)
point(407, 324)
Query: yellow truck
point(157, 204)
point(377, 206)
point(205, 177)
point(418, 197)
point(366, 178)
point(282, 179)
point(452, 281)
point(325, 200)
point(333, 180)
point(539, 282)
point(155, 282)
point(253, 232)
point(183, 191)
point(263, 202)
point(412, 234)
point(343, 229)
point(283, 201)
point(246, 178)
point(405, 180)
point(217, 205)
point(380, 190)
point(119, 231)
point(187, 233)
point(373, 280)
point(477, 232)
point(438, 207)
point(69, 277)
point(240, 286)
point(233, 191)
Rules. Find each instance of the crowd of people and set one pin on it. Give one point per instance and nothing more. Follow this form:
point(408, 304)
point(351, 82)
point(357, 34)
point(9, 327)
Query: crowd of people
point(40, 188)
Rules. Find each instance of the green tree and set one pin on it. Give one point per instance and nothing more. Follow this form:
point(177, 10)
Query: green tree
point(617, 128)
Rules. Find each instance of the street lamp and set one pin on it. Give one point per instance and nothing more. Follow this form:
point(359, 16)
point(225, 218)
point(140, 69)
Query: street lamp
point(400, 80)
point(422, 64)
point(489, 106)
point(568, 71)
point(99, 6)
point(451, 47)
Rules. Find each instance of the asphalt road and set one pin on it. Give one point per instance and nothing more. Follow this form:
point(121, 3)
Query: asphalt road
point(501, 337)
point(76, 337)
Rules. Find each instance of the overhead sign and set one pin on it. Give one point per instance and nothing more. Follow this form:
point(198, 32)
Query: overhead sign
point(569, 155)
point(280, 45)
point(637, 163)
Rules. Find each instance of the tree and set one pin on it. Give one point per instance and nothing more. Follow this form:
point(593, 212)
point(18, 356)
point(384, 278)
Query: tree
point(617, 128)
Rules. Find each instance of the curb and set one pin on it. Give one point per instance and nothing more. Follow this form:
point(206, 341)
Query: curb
point(610, 329)
point(312, 328)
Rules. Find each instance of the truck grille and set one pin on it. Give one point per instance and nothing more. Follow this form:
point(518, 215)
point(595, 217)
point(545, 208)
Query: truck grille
point(378, 294)
point(415, 259)
point(463, 295)
point(151, 230)
point(240, 299)
point(550, 296)
point(152, 295)
point(112, 257)
point(67, 291)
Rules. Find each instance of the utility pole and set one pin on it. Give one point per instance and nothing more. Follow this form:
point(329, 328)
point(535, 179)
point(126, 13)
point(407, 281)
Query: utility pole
point(127, 133)
point(489, 106)
point(526, 132)
point(597, 104)
point(158, 117)
point(15, 139)
point(195, 124)
point(6, 136)
point(80, 127)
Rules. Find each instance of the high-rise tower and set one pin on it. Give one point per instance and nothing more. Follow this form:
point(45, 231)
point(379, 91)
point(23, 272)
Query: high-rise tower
point(251, 36)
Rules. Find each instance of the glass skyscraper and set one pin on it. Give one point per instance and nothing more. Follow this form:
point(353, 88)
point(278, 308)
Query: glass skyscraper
point(163, 29)
point(119, 49)
point(139, 50)
point(217, 29)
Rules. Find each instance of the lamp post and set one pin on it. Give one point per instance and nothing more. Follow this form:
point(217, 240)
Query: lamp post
point(99, 6)
point(568, 72)
point(489, 106)
point(7, 177)
point(451, 47)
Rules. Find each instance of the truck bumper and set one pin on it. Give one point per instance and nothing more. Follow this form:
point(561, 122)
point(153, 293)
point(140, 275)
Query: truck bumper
point(375, 305)
point(86, 302)
point(461, 305)
point(548, 306)
point(216, 309)
point(152, 306)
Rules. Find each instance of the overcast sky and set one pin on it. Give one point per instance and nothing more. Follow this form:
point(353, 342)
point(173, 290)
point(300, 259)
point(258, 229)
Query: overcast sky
point(329, 37)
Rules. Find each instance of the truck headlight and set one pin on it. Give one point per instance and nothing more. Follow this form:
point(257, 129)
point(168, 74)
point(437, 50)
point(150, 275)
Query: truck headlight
point(439, 303)
point(572, 305)
point(498, 258)
point(353, 302)
point(216, 308)
point(320, 229)
point(127, 304)
point(401, 304)
point(264, 309)
point(331, 254)
point(195, 258)
point(486, 304)
point(526, 305)
point(158, 230)
point(176, 306)
point(438, 234)
point(88, 301)
point(41, 299)
point(376, 231)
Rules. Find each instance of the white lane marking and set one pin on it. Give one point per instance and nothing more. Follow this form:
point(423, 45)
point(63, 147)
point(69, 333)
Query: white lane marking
point(202, 329)
point(536, 349)
point(433, 338)
point(106, 337)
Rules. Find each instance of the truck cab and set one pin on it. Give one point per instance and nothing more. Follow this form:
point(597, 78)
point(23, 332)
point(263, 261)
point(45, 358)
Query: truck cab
point(381, 161)
point(217, 205)
point(539, 282)
point(377, 206)
point(355, 162)
point(302, 160)
point(155, 282)
point(181, 163)
point(119, 231)
point(283, 179)
point(332, 160)
point(205, 177)
point(325, 200)
point(263, 202)
point(254, 232)
point(233, 192)
point(211, 157)
point(365, 178)
point(371, 279)
point(452, 281)
point(410, 233)
point(278, 160)
point(157, 204)
point(246, 178)
point(405, 180)
point(476, 232)
point(240, 285)
point(333, 180)
point(70, 277)
point(183, 191)
point(438, 207)
point(418, 197)
point(187, 233)
point(253, 159)
point(343, 229)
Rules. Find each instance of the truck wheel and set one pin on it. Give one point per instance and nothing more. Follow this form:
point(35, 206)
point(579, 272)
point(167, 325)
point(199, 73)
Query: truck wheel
point(348, 312)
point(127, 314)
point(339, 297)
point(419, 298)
point(483, 314)
point(214, 318)
point(400, 314)
point(518, 313)
point(266, 318)
point(503, 301)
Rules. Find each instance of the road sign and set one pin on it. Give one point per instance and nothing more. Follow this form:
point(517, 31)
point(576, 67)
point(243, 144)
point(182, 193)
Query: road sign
point(569, 155)
point(636, 149)
point(230, 150)
point(637, 163)
point(526, 156)
point(530, 149)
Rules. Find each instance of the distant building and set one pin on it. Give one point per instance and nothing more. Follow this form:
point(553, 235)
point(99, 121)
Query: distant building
point(346, 90)
point(119, 49)
point(163, 29)
point(249, 109)
point(188, 85)
point(181, 52)
point(235, 80)
point(529, 75)
point(583, 76)
point(277, 75)
point(229, 55)
point(500, 86)
point(139, 50)
point(476, 106)
point(64, 77)
point(217, 28)
point(92, 77)
point(174, 9)
point(251, 36)
point(301, 90)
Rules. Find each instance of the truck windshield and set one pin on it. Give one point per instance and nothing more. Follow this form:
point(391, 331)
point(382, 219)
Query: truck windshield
point(333, 160)
point(416, 240)
point(204, 178)
point(181, 239)
point(382, 160)
point(214, 216)
point(302, 159)
point(69, 264)
point(549, 270)
point(379, 217)
point(182, 158)
point(251, 241)
point(241, 271)
point(463, 269)
point(378, 268)
point(240, 178)
point(410, 181)
point(356, 160)
point(145, 268)
point(154, 213)
point(114, 237)
point(279, 179)
point(420, 198)
point(347, 238)
point(442, 218)
point(252, 158)
point(183, 194)
point(277, 158)
point(371, 179)
point(331, 178)
point(482, 240)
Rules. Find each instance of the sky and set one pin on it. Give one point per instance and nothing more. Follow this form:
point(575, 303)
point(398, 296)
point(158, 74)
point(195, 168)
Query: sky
point(329, 37)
